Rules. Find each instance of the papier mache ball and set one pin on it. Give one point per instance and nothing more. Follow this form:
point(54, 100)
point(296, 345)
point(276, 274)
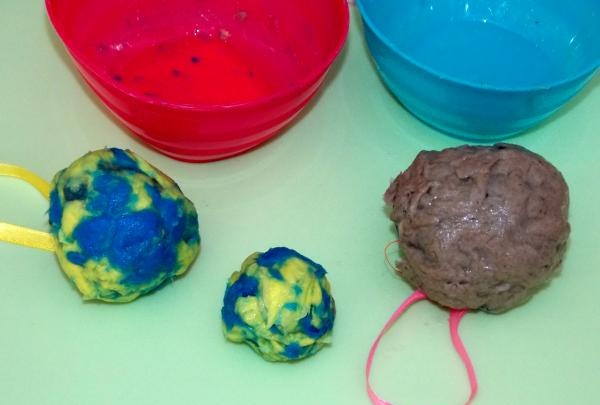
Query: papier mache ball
point(123, 228)
point(480, 227)
point(280, 304)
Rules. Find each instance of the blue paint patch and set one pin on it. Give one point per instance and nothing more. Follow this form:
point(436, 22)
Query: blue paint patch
point(170, 211)
point(319, 270)
point(277, 256)
point(274, 256)
point(292, 306)
point(326, 304)
point(275, 273)
point(190, 231)
point(123, 161)
point(244, 286)
point(112, 195)
point(293, 351)
point(93, 235)
point(136, 243)
point(55, 212)
point(309, 329)
point(141, 247)
point(77, 258)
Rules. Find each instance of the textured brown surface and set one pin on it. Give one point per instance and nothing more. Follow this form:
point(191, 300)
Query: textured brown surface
point(480, 227)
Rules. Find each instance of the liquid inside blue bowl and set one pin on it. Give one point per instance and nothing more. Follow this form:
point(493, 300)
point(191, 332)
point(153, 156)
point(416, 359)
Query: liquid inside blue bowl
point(483, 69)
point(492, 43)
point(498, 57)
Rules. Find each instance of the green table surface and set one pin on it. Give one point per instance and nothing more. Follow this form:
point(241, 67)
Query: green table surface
point(316, 188)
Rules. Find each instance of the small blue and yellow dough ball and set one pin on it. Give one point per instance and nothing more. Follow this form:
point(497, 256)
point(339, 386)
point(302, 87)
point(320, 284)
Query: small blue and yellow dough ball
point(280, 304)
point(122, 227)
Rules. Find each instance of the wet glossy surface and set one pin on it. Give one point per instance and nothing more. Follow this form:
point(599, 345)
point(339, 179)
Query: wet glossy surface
point(499, 57)
point(201, 71)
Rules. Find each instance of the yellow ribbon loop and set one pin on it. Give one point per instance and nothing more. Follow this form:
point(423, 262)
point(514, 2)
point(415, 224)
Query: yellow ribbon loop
point(20, 173)
point(26, 237)
point(18, 234)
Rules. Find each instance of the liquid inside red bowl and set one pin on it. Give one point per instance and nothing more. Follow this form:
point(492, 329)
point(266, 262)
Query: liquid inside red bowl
point(193, 70)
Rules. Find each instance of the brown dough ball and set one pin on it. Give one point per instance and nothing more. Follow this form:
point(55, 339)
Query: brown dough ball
point(480, 227)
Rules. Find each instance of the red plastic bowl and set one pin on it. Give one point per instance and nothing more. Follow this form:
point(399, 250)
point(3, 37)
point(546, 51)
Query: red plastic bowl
point(202, 80)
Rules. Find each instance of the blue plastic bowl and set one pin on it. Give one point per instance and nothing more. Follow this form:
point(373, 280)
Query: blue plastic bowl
point(483, 69)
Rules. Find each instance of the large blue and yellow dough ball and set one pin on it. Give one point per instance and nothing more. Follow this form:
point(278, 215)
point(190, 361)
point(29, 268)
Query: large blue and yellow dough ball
point(122, 227)
point(280, 304)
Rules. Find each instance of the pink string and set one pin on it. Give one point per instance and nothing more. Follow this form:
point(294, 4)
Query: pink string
point(454, 321)
point(414, 297)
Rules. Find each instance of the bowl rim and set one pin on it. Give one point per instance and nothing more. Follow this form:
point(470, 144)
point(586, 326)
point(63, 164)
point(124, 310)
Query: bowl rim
point(307, 80)
point(581, 73)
